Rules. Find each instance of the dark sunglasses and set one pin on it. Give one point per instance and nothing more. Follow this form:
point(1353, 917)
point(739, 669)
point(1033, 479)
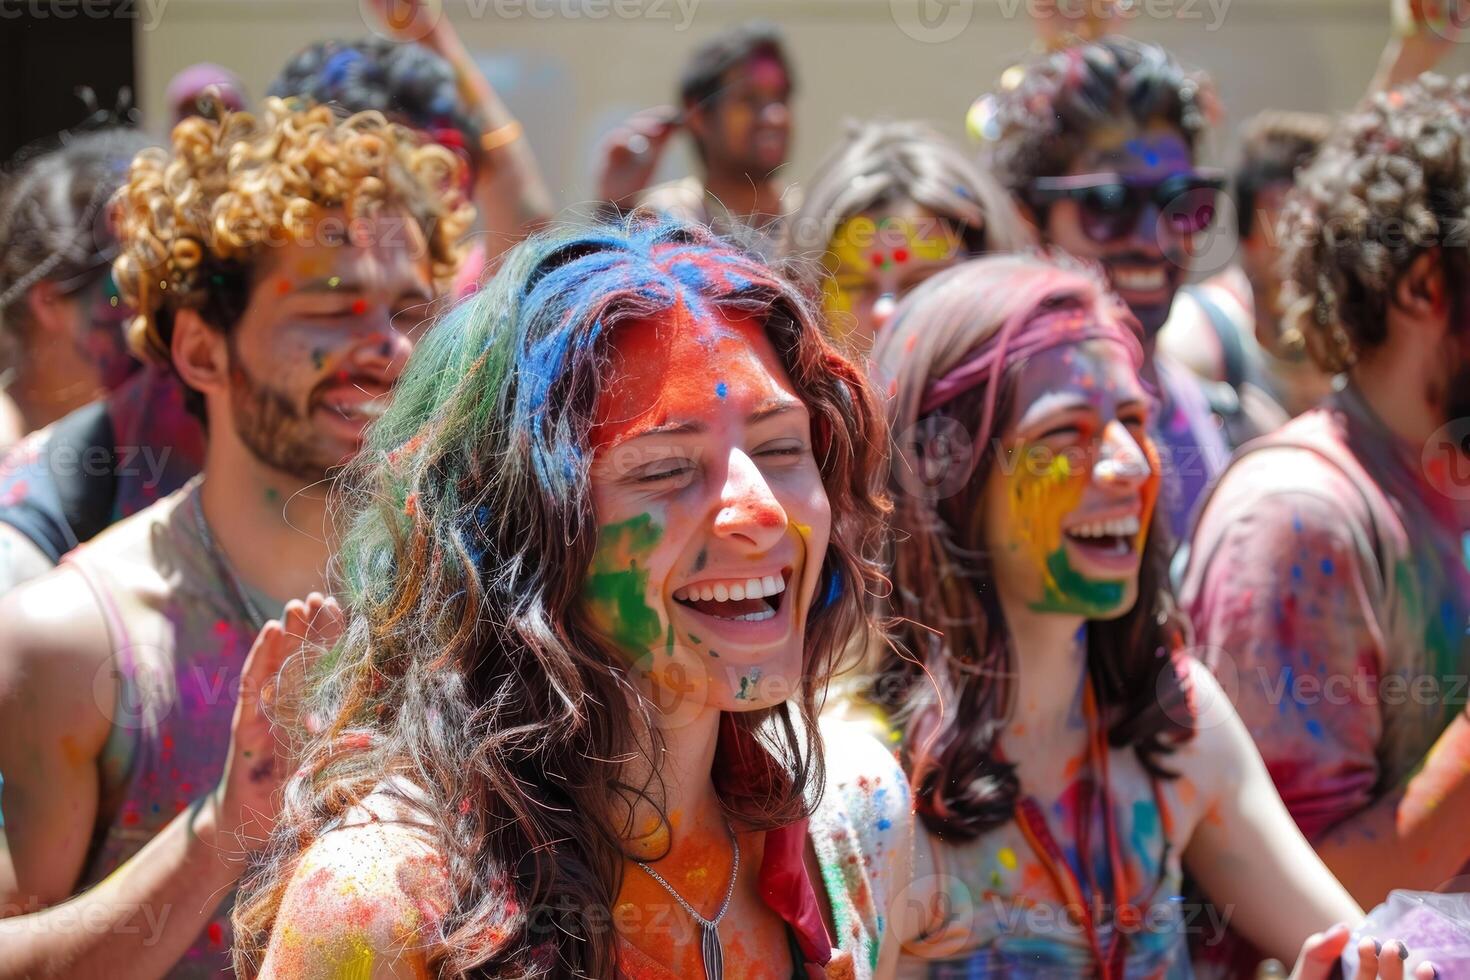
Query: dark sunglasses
point(1110, 204)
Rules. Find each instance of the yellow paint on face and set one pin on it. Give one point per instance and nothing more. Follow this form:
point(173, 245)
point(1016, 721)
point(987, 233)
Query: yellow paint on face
point(887, 254)
point(1007, 858)
point(358, 963)
point(1041, 496)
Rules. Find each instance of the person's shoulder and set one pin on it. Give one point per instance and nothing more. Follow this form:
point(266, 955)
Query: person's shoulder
point(133, 539)
point(372, 889)
point(680, 198)
point(866, 787)
point(55, 651)
point(859, 746)
point(53, 618)
point(1291, 471)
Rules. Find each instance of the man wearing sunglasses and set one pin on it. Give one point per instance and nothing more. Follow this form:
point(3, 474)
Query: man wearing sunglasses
point(1097, 143)
point(736, 104)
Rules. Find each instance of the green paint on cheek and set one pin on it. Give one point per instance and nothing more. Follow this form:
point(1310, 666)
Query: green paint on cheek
point(616, 587)
point(1070, 591)
point(748, 686)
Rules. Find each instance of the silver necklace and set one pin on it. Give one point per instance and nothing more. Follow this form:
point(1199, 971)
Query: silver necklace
point(257, 621)
point(709, 940)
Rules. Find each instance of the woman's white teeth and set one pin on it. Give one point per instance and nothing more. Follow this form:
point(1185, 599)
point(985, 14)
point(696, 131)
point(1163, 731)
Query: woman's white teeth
point(1120, 527)
point(1139, 278)
point(754, 588)
point(754, 617)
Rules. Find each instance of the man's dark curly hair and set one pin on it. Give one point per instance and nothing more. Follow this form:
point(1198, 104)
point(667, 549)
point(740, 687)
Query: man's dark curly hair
point(1040, 119)
point(1391, 182)
point(1275, 144)
point(705, 70)
point(408, 83)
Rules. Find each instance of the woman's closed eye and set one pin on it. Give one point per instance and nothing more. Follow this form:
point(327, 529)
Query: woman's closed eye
point(664, 472)
point(1063, 430)
point(784, 449)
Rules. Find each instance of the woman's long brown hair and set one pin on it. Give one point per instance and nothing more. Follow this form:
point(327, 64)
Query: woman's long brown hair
point(465, 668)
point(946, 679)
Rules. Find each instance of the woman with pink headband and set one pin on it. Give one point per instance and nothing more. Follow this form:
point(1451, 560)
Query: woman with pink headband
point(1068, 759)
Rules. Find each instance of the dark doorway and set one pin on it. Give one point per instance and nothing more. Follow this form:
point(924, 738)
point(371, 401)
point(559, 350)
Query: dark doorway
point(50, 48)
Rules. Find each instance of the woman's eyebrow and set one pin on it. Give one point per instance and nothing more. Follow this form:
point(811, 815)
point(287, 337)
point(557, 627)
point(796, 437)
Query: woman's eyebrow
point(1057, 401)
point(774, 407)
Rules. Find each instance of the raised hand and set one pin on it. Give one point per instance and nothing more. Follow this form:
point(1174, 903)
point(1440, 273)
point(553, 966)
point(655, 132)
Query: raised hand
point(410, 21)
point(1321, 952)
point(267, 717)
point(630, 153)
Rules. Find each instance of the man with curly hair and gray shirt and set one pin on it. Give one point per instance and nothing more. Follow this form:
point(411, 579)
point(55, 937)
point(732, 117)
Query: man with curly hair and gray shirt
point(1328, 577)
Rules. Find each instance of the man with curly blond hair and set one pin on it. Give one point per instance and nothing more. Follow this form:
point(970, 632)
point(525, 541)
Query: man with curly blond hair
point(1328, 579)
point(282, 266)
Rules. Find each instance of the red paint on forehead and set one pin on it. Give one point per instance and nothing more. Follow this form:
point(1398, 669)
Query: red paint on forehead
point(767, 72)
point(681, 368)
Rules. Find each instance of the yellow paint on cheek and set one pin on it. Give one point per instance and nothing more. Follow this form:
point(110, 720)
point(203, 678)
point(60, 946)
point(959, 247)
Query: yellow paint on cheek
point(1007, 858)
point(358, 963)
point(1041, 496)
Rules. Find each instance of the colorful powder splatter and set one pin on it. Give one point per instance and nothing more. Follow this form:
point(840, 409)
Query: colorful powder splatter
point(616, 587)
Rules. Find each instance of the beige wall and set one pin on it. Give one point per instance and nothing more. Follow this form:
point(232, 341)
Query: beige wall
point(571, 77)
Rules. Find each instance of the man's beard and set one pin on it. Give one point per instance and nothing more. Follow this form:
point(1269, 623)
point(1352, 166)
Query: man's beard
point(273, 429)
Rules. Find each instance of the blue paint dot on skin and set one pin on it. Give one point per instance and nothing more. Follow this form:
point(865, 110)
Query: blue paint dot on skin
point(1327, 566)
point(884, 823)
point(721, 389)
point(1314, 728)
point(1296, 573)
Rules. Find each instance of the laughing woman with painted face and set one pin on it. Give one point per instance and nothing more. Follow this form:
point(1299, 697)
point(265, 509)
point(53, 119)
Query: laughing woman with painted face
point(1068, 761)
point(609, 539)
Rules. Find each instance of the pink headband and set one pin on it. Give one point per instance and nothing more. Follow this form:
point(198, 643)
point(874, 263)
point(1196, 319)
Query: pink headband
point(1024, 336)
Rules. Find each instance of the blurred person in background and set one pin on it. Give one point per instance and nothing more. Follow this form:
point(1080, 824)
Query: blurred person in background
point(1329, 575)
point(892, 204)
point(130, 442)
point(1229, 328)
point(283, 267)
point(735, 102)
point(205, 89)
point(61, 336)
point(430, 82)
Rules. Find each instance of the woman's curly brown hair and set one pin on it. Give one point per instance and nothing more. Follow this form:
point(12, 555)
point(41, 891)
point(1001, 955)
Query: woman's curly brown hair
point(191, 220)
point(1391, 182)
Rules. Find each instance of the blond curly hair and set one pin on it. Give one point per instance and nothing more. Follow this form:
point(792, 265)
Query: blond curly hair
point(1391, 182)
point(192, 220)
